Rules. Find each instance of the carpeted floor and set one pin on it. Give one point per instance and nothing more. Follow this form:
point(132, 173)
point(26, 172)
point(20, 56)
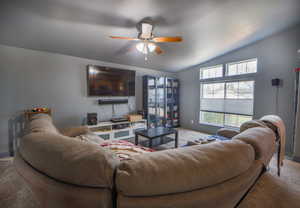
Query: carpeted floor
point(14, 193)
point(274, 192)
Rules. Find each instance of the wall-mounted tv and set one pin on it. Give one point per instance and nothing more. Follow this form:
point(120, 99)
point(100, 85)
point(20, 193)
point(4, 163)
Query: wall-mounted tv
point(106, 81)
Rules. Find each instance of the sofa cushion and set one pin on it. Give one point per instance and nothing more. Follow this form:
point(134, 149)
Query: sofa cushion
point(228, 133)
point(74, 131)
point(263, 141)
point(54, 194)
point(41, 123)
point(184, 169)
point(69, 159)
point(251, 124)
point(223, 195)
point(40, 116)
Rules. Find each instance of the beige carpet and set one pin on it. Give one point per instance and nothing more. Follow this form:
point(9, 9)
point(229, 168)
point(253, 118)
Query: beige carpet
point(14, 193)
point(274, 192)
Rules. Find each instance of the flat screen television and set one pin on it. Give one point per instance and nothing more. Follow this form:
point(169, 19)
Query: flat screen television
point(106, 81)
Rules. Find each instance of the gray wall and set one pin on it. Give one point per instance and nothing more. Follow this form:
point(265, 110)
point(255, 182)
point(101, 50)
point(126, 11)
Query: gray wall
point(31, 78)
point(277, 58)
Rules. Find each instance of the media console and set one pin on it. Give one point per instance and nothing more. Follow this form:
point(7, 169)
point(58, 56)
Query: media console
point(120, 130)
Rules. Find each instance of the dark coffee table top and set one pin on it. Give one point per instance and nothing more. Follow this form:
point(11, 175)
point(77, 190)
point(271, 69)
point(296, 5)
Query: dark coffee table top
point(156, 132)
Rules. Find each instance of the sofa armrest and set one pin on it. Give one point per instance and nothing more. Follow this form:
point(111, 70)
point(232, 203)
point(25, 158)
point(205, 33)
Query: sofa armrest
point(74, 131)
point(228, 133)
point(69, 160)
point(262, 140)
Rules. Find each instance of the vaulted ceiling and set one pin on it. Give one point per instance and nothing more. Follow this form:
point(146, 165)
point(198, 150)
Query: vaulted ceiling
point(81, 27)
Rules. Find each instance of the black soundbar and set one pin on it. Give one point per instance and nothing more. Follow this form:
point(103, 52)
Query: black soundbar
point(112, 101)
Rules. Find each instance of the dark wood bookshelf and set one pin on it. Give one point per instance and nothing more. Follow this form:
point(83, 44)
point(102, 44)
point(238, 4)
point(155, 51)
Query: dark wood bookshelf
point(161, 101)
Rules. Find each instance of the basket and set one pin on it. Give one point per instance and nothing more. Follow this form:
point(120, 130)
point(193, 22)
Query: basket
point(134, 117)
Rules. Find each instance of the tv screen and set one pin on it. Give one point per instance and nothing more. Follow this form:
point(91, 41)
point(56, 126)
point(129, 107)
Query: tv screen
point(106, 81)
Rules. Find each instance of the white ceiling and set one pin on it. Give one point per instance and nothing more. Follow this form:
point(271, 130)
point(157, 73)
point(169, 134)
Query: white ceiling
point(81, 27)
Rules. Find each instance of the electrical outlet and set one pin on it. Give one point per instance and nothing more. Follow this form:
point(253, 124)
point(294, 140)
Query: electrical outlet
point(192, 121)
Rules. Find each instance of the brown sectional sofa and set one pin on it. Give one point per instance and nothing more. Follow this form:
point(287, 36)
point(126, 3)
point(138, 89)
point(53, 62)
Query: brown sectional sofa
point(64, 171)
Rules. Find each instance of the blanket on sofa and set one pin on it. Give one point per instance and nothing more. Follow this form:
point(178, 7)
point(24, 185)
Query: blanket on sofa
point(125, 150)
point(281, 137)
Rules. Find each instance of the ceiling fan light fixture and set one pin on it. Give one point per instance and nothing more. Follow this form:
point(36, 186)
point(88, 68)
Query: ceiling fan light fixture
point(142, 47)
point(151, 47)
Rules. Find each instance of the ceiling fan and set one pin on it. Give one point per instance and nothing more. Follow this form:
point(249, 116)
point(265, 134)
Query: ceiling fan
point(147, 41)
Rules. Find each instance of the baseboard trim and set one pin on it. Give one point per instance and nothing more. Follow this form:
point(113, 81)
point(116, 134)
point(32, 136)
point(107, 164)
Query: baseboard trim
point(4, 154)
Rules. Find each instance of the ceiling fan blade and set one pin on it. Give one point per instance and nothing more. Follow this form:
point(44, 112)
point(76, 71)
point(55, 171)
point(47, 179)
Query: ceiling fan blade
point(158, 50)
point(167, 39)
point(123, 38)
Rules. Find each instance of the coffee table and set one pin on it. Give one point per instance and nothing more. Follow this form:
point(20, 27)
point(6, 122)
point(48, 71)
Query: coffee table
point(153, 133)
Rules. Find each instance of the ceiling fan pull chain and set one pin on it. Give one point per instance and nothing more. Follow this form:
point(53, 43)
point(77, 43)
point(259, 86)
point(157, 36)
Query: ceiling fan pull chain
point(146, 49)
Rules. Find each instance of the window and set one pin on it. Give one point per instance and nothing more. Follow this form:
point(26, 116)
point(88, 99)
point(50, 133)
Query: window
point(236, 120)
point(211, 72)
point(211, 117)
point(225, 100)
point(213, 90)
point(243, 67)
point(239, 90)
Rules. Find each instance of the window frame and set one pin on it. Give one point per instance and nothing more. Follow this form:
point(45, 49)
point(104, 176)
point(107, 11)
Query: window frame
point(225, 70)
point(211, 67)
point(224, 113)
point(239, 80)
point(225, 79)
